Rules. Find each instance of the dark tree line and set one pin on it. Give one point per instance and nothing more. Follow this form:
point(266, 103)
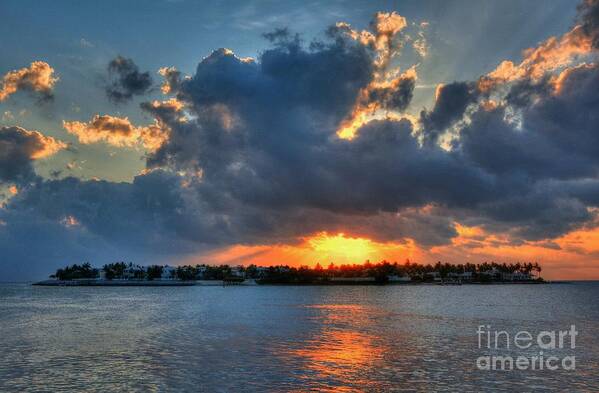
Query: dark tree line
point(303, 274)
point(75, 271)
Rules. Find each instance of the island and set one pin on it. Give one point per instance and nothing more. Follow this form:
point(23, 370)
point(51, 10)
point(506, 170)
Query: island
point(367, 273)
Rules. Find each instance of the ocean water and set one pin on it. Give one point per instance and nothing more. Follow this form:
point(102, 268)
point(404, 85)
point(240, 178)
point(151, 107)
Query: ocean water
point(284, 338)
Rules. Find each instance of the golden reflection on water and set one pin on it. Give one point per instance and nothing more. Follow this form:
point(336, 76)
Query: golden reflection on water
point(342, 349)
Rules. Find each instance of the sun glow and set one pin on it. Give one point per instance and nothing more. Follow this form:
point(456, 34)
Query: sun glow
point(563, 257)
point(342, 247)
point(320, 247)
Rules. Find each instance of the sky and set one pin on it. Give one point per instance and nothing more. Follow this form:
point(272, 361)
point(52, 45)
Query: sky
point(294, 132)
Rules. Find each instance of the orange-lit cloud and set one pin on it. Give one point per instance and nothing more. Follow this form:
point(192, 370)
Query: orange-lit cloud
point(35, 144)
point(171, 104)
point(48, 146)
point(387, 96)
point(387, 90)
point(69, 221)
point(386, 25)
point(172, 78)
point(120, 132)
point(552, 54)
point(420, 44)
point(559, 79)
point(38, 77)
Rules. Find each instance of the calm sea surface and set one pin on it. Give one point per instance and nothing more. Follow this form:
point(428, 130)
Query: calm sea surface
point(413, 338)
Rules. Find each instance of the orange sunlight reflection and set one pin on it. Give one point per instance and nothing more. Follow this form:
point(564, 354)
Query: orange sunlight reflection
point(340, 350)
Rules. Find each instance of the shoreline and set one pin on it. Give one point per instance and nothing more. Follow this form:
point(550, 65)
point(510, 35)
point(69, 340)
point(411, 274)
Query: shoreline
point(114, 283)
point(206, 283)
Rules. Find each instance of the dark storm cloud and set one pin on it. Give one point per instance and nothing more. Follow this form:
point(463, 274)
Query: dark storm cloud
point(307, 93)
point(541, 133)
point(53, 222)
point(122, 213)
point(280, 35)
point(15, 155)
point(536, 215)
point(450, 104)
point(19, 148)
point(395, 97)
point(126, 80)
point(505, 150)
point(524, 92)
point(570, 119)
point(288, 157)
point(546, 159)
point(589, 19)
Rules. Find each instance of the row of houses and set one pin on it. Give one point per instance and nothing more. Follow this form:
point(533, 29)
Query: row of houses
point(136, 272)
point(490, 275)
point(133, 272)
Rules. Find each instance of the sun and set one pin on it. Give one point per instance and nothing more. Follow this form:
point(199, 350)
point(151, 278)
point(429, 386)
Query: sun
point(320, 247)
point(342, 248)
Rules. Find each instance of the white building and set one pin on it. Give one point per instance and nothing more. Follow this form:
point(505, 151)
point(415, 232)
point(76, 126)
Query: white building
point(132, 271)
point(395, 278)
point(261, 271)
point(353, 279)
point(493, 273)
point(238, 271)
point(201, 272)
point(168, 273)
point(519, 276)
point(436, 276)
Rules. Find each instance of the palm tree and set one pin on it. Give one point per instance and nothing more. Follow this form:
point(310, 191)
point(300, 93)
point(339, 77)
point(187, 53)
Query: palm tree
point(538, 269)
